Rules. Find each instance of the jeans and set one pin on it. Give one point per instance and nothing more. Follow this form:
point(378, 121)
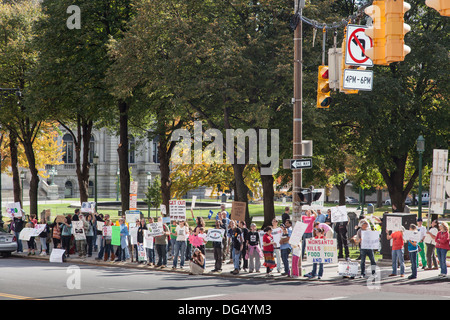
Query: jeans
point(19, 242)
point(367, 253)
point(431, 257)
point(150, 255)
point(413, 259)
point(314, 270)
point(180, 250)
point(102, 248)
point(161, 249)
point(442, 256)
point(398, 255)
point(236, 258)
point(285, 257)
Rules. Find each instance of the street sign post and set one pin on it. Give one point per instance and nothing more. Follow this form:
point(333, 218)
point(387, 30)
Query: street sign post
point(301, 164)
point(358, 79)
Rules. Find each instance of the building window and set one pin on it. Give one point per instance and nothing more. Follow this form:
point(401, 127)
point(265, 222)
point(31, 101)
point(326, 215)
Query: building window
point(131, 150)
point(67, 148)
point(91, 188)
point(155, 154)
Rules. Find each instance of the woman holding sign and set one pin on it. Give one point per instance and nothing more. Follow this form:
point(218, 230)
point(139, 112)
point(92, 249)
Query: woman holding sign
point(442, 246)
point(181, 235)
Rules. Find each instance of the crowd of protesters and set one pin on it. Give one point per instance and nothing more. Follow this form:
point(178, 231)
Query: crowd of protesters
point(241, 246)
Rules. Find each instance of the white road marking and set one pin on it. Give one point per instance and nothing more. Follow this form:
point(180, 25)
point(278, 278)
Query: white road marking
point(202, 297)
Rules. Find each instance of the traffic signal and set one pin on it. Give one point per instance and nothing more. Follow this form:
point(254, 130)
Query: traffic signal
point(377, 32)
point(442, 6)
point(396, 50)
point(307, 196)
point(323, 88)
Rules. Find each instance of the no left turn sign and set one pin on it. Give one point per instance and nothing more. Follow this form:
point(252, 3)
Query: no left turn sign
point(356, 45)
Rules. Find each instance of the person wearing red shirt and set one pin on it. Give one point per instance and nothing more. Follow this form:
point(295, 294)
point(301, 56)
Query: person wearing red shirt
point(269, 261)
point(442, 246)
point(397, 252)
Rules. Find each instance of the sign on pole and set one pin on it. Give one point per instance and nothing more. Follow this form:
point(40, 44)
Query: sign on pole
point(358, 79)
point(177, 209)
point(301, 164)
point(357, 43)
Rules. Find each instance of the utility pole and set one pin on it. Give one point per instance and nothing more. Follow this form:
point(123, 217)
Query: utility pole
point(297, 125)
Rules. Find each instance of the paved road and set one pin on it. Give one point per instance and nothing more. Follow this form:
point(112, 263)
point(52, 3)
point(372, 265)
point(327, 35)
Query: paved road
point(33, 279)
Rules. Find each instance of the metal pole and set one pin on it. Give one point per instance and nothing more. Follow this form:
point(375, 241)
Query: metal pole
point(419, 215)
point(297, 124)
point(95, 190)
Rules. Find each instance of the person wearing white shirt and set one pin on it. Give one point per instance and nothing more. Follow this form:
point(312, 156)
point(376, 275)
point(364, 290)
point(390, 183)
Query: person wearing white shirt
point(431, 244)
point(181, 232)
point(423, 231)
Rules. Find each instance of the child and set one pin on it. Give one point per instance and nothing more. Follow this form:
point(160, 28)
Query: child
point(318, 234)
point(296, 252)
point(412, 249)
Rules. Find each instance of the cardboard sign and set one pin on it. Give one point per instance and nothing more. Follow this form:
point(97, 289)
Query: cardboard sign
point(321, 250)
point(370, 240)
point(115, 235)
point(297, 233)
point(177, 209)
point(60, 219)
point(276, 234)
point(215, 235)
point(348, 269)
point(148, 240)
point(238, 210)
point(393, 223)
point(78, 230)
point(409, 235)
point(26, 234)
point(57, 255)
point(339, 214)
point(13, 210)
point(155, 229)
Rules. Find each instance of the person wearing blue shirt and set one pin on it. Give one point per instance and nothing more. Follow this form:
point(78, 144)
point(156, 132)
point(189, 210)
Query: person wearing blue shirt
point(123, 240)
point(222, 208)
point(321, 217)
point(285, 247)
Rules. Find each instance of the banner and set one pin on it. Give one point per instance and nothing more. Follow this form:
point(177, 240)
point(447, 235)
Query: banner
point(13, 210)
point(297, 233)
point(215, 235)
point(78, 230)
point(339, 214)
point(370, 240)
point(155, 229)
point(177, 210)
point(115, 235)
point(321, 250)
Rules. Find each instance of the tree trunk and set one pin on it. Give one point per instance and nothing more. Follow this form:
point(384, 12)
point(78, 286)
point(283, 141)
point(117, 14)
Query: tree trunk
point(15, 167)
point(164, 166)
point(34, 182)
point(268, 195)
point(379, 198)
point(341, 188)
point(123, 156)
point(241, 189)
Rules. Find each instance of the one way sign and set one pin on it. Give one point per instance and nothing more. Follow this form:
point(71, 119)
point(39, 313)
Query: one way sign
point(301, 164)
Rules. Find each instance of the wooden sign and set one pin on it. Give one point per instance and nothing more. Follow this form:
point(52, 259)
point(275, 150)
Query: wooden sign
point(238, 210)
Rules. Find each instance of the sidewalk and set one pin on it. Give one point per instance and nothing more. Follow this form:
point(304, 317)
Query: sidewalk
point(330, 270)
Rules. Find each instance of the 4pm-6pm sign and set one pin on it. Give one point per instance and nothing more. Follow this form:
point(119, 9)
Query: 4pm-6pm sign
point(358, 79)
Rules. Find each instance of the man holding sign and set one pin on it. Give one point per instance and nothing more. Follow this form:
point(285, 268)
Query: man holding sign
point(369, 240)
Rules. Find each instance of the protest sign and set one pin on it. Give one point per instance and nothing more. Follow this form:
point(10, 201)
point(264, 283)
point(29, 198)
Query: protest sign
point(321, 250)
point(142, 253)
point(57, 255)
point(115, 235)
point(133, 187)
point(177, 210)
point(107, 231)
point(194, 198)
point(162, 209)
point(215, 235)
point(131, 216)
point(370, 240)
point(297, 233)
point(78, 230)
point(38, 229)
point(261, 235)
point(393, 223)
point(148, 240)
point(195, 241)
point(26, 234)
point(348, 269)
point(339, 214)
point(238, 210)
point(155, 229)
point(409, 235)
point(276, 234)
point(133, 234)
point(60, 219)
point(13, 210)
point(87, 207)
point(100, 225)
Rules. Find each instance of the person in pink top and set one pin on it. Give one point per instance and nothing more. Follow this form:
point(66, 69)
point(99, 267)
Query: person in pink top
point(309, 219)
point(442, 246)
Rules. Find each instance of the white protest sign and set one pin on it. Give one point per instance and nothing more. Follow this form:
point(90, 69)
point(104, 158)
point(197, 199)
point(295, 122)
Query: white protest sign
point(131, 216)
point(177, 209)
point(78, 230)
point(339, 214)
point(107, 231)
point(100, 225)
point(155, 229)
point(26, 234)
point(194, 198)
point(393, 223)
point(13, 210)
point(321, 250)
point(133, 234)
point(215, 235)
point(57, 255)
point(142, 253)
point(276, 234)
point(370, 240)
point(162, 208)
point(87, 207)
point(297, 233)
point(261, 235)
point(409, 235)
point(148, 240)
point(38, 229)
point(348, 269)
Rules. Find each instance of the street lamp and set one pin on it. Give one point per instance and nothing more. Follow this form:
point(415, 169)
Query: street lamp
point(149, 180)
point(23, 176)
point(53, 172)
point(95, 161)
point(420, 150)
